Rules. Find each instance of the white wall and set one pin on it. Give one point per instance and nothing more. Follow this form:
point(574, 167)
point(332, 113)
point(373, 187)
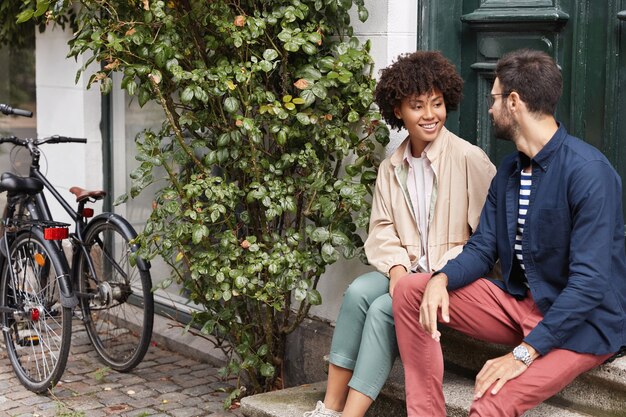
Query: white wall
point(392, 30)
point(67, 108)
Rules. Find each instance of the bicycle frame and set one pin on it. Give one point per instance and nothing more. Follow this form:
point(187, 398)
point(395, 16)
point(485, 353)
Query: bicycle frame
point(77, 218)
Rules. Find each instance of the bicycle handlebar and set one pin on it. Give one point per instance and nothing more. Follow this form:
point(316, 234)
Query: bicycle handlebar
point(51, 139)
point(6, 109)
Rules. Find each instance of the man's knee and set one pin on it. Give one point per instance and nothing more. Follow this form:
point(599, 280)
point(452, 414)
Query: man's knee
point(411, 286)
point(498, 405)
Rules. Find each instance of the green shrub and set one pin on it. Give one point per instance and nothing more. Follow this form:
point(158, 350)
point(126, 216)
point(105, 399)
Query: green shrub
point(267, 149)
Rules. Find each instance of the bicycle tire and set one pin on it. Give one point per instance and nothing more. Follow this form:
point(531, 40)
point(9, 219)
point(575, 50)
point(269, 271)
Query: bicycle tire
point(21, 211)
point(37, 347)
point(118, 304)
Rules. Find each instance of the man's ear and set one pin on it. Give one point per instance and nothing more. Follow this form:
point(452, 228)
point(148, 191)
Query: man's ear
point(514, 102)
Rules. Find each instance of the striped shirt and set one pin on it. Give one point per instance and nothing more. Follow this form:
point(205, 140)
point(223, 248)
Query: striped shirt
point(524, 200)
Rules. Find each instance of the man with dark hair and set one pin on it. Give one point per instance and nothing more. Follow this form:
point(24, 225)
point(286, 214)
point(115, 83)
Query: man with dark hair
point(553, 217)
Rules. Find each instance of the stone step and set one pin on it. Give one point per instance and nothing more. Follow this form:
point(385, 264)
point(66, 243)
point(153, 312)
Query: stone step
point(293, 402)
point(599, 392)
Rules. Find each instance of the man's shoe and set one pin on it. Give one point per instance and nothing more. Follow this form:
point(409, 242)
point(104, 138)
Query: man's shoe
point(321, 411)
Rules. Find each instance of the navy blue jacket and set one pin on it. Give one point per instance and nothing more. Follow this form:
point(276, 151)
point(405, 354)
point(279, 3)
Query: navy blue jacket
point(573, 246)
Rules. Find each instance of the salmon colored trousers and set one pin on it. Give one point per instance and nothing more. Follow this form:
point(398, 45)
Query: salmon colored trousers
point(484, 311)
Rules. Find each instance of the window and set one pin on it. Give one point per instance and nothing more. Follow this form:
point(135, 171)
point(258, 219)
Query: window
point(17, 89)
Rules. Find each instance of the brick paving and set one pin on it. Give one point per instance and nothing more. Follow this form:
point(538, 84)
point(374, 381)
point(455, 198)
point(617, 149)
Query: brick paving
point(166, 383)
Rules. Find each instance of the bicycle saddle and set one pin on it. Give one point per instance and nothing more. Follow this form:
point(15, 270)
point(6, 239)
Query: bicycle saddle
point(14, 183)
point(82, 194)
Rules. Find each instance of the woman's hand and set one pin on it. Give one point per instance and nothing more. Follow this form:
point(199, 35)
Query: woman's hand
point(435, 297)
point(395, 274)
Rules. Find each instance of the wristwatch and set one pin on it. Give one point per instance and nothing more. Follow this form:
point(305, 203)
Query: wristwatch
point(522, 354)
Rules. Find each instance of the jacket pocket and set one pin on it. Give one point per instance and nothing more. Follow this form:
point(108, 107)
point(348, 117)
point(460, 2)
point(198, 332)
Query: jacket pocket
point(554, 228)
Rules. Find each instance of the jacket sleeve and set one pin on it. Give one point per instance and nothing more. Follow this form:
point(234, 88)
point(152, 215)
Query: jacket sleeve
point(383, 247)
point(479, 173)
point(594, 199)
point(479, 254)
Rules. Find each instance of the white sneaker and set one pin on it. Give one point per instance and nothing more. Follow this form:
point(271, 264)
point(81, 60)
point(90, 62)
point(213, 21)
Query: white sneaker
point(321, 411)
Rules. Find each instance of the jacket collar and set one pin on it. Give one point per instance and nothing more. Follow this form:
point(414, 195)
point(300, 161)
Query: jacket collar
point(547, 153)
point(433, 150)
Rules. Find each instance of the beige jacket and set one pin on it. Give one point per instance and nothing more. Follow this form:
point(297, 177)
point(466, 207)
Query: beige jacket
point(463, 173)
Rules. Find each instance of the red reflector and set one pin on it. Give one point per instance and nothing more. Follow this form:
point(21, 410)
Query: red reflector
point(34, 314)
point(87, 212)
point(55, 233)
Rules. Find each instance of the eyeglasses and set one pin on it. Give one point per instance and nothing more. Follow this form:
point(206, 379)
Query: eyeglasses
point(491, 98)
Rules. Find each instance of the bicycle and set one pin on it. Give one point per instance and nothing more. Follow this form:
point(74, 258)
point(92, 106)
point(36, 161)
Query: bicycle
point(113, 286)
point(36, 301)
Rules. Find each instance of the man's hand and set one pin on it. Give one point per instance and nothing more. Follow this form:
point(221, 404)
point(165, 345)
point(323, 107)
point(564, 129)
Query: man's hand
point(500, 370)
point(435, 297)
point(395, 274)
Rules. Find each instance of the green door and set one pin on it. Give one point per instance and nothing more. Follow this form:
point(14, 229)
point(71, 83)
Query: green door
point(588, 40)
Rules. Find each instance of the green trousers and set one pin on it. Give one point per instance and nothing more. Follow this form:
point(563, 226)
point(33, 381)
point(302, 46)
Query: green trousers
point(365, 337)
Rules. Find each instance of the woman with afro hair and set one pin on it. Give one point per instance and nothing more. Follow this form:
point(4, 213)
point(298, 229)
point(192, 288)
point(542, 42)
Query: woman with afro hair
point(428, 198)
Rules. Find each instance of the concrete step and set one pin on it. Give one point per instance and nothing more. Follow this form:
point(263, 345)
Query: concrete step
point(599, 392)
point(293, 402)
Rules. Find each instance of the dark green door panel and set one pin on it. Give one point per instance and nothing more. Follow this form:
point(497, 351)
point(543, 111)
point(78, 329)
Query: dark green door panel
point(616, 120)
point(587, 38)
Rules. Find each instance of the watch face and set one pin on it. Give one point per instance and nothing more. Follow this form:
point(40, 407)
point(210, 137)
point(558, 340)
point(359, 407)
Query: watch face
point(522, 354)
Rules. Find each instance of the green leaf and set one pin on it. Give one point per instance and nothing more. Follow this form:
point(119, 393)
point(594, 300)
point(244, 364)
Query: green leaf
point(231, 104)
point(270, 54)
point(266, 66)
point(309, 48)
point(187, 95)
point(353, 116)
point(320, 234)
point(363, 14)
point(314, 298)
point(267, 370)
point(241, 281)
point(25, 15)
point(329, 254)
point(303, 118)
point(319, 90)
point(281, 137)
point(300, 294)
point(199, 233)
point(42, 7)
point(308, 96)
point(368, 177)
point(144, 96)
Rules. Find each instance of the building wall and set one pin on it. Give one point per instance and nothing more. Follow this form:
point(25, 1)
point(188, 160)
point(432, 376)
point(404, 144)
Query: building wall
point(67, 108)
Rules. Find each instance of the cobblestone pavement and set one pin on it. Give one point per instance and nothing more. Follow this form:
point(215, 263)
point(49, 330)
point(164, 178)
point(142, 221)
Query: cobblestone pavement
point(166, 383)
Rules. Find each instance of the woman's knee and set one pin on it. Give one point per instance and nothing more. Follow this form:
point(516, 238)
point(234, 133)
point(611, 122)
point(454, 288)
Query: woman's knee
point(380, 310)
point(367, 288)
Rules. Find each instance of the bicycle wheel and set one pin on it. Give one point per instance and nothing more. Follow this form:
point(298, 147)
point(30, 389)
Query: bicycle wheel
point(115, 296)
point(38, 330)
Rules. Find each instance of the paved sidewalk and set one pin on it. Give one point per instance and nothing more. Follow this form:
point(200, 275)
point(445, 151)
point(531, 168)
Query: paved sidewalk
point(166, 383)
